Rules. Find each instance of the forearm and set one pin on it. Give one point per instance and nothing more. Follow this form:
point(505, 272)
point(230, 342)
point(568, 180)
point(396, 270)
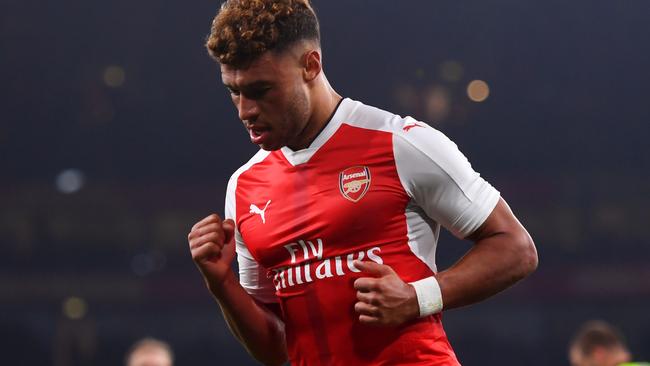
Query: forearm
point(257, 328)
point(493, 264)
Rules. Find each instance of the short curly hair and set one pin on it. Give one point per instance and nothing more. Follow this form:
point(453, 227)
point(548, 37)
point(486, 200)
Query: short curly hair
point(243, 30)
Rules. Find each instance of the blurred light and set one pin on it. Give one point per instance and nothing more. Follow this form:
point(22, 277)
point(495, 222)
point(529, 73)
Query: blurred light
point(74, 307)
point(437, 104)
point(419, 73)
point(478, 90)
point(70, 181)
point(114, 76)
point(451, 71)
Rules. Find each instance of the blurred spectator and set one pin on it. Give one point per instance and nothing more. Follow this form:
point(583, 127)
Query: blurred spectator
point(150, 352)
point(598, 343)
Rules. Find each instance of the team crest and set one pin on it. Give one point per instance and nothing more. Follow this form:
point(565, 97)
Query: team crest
point(354, 182)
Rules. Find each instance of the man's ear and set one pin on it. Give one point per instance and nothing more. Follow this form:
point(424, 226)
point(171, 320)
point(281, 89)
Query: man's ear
point(312, 65)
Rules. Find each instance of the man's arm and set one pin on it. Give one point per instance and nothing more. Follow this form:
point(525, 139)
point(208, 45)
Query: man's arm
point(255, 325)
point(441, 181)
point(503, 253)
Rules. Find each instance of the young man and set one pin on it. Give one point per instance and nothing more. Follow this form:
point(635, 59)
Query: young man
point(335, 220)
point(150, 352)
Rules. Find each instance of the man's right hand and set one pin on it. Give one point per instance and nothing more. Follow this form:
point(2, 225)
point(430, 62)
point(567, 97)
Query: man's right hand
point(213, 250)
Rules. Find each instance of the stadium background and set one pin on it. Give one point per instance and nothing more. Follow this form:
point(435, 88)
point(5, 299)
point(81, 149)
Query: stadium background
point(116, 136)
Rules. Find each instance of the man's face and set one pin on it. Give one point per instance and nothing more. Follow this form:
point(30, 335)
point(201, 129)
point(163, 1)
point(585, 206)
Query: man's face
point(271, 97)
point(600, 356)
point(615, 356)
point(150, 356)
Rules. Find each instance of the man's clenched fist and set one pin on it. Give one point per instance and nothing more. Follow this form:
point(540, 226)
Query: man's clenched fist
point(384, 299)
point(213, 250)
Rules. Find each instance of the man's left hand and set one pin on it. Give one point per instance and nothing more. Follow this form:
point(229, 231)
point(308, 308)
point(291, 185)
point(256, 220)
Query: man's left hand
point(384, 299)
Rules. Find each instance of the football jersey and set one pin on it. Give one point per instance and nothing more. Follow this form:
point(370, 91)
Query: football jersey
point(372, 186)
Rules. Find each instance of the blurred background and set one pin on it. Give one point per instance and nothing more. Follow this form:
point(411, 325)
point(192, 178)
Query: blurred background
point(116, 135)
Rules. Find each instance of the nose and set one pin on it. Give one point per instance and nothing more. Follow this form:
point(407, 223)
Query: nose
point(248, 109)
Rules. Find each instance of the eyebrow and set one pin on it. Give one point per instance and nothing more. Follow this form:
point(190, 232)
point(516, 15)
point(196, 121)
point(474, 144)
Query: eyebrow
point(253, 85)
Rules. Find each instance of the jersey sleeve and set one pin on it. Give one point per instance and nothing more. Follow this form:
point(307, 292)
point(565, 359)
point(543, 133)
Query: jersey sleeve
point(440, 179)
point(252, 276)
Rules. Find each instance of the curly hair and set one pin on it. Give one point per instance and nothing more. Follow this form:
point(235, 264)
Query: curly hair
point(243, 30)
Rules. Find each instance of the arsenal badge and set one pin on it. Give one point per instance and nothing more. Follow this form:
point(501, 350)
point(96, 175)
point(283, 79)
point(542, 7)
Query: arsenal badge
point(354, 182)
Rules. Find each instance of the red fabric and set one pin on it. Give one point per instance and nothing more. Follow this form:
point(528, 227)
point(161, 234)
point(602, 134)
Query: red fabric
point(309, 210)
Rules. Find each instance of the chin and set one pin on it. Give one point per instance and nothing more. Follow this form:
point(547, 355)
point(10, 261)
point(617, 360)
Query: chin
point(269, 147)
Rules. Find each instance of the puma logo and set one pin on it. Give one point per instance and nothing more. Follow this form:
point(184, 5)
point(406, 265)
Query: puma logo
point(257, 211)
point(408, 127)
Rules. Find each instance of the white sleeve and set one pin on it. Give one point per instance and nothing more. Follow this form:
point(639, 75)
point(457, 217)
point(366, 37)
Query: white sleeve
point(438, 177)
point(252, 276)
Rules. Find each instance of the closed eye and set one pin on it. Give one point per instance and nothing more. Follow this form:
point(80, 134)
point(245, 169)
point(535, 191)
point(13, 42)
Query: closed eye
point(252, 91)
point(257, 93)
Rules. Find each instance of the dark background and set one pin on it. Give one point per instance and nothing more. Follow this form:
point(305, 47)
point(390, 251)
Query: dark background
point(116, 136)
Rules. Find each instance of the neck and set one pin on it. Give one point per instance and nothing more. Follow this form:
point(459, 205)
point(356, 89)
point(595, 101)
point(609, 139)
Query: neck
point(324, 101)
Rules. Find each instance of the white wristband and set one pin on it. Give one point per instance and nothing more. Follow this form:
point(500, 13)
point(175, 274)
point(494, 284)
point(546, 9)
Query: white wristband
point(429, 295)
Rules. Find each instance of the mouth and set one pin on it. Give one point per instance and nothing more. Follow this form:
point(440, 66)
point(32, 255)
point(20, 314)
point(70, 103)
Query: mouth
point(258, 135)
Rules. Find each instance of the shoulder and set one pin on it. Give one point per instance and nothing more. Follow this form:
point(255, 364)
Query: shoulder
point(408, 133)
point(256, 159)
point(373, 118)
point(232, 182)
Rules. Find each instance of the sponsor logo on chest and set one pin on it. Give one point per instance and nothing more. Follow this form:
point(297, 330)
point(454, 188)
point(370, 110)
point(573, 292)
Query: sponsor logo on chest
point(308, 264)
point(354, 182)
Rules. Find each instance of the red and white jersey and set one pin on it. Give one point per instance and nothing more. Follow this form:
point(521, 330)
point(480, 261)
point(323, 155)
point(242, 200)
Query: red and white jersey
point(372, 186)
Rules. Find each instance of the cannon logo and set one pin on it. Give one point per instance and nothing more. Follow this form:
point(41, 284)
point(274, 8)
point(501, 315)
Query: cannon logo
point(354, 182)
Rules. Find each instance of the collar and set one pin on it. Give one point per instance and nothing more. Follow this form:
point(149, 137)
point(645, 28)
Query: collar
point(342, 111)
